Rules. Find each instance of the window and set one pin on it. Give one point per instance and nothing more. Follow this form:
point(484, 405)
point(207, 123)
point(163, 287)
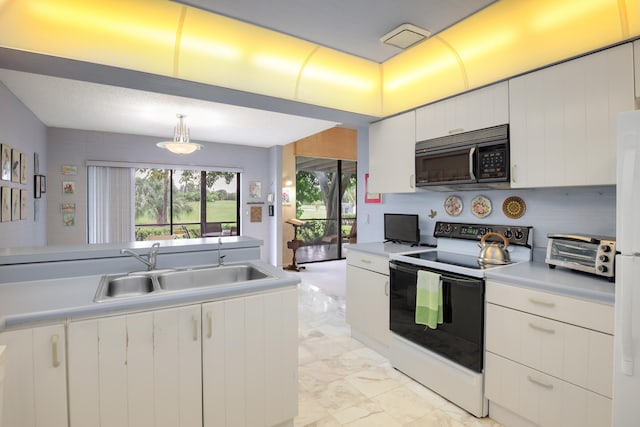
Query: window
point(182, 203)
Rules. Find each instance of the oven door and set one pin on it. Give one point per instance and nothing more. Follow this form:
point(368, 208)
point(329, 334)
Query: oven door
point(452, 166)
point(460, 337)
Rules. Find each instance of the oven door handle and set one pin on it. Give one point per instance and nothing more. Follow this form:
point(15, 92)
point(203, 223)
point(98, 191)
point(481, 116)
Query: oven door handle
point(414, 270)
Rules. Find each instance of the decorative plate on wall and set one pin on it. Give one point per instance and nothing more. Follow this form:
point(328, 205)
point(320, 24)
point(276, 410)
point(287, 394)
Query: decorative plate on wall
point(481, 206)
point(514, 207)
point(453, 205)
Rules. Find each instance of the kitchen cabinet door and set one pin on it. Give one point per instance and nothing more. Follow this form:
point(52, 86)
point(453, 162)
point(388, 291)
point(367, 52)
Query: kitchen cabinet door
point(478, 109)
point(392, 152)
point(250, 360)
point(137, 369)
point(35, 388)
point(563, 120)
point(367, 297)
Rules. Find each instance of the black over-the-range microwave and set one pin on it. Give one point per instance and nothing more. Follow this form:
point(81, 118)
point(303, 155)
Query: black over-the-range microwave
point(464, 161)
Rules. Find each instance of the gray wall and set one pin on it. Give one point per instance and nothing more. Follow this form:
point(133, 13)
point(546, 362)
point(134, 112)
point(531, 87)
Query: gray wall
point(76, 147)
point(550, 210)
point(21, 129)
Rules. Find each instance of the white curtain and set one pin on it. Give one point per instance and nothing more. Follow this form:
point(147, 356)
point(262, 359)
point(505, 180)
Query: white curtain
point(111, 211)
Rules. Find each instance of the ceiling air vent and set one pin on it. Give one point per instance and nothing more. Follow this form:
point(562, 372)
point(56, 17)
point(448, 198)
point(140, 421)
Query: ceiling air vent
point(404, 36)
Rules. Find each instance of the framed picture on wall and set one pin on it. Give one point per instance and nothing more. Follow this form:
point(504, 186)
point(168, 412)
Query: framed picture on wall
point(370, 197)
point(23, 168)
point(23, 204)
point(37, 193)
point(15, 165)
point(15, 204)
point(6, 162)
point(68, 187)
point(43, 184)
point(5, 199)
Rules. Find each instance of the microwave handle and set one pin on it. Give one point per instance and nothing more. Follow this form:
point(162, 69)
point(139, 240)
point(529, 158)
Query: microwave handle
point(471, 154)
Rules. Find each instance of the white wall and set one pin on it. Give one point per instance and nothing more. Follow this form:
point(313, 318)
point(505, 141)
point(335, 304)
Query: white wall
point(548, 210)
point(21, 129)
point(76, 147)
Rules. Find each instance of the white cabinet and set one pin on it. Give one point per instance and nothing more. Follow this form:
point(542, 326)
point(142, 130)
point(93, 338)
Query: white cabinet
point(482, 108)
point(563, 120)
point(367, 299)
point(137, 369)
point(35, 387)
point(392, 151)
point(549, 358)
point(250, 364)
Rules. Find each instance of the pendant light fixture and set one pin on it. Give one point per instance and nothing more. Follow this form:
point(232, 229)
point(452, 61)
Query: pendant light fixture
point(180, 143)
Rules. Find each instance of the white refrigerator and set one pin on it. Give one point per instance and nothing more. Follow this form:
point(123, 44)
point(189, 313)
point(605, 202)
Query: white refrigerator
point(626, 375)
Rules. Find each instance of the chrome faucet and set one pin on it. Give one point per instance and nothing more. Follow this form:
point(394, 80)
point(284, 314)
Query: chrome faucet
point(220, 257)
point(151, 257)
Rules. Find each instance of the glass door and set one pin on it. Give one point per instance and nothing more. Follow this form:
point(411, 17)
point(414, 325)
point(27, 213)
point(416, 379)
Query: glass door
point(325, 200)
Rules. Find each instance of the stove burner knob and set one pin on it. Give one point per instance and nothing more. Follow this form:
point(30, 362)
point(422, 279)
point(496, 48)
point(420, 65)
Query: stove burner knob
point(508, 234)
point(602, 268)
point(603, 258)
point(519, 234)
point(447, 228)
point(605, 248)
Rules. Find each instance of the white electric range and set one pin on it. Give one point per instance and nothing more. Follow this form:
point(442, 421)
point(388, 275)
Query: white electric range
point(450, 358)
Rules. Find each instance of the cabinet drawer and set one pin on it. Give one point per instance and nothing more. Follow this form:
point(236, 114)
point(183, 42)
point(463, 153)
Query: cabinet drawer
point(543, 399)
point(574, 354)
point(592, 315)
point(379, 264)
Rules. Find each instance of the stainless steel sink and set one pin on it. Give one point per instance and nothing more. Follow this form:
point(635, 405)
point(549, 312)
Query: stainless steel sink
point(138, 284)
point(213, 276)
point(122, 286)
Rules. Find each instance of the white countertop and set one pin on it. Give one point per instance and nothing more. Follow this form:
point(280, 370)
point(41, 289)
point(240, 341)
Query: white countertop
point(72, 298)
point(108, 250)
point(534, 275)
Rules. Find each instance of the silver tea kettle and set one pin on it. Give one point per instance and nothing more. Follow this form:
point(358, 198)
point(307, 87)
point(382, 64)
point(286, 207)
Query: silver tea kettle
point(494, 252)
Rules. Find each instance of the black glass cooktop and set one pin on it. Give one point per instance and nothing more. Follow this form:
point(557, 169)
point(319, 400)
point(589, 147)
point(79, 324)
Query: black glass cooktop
point(467, 261)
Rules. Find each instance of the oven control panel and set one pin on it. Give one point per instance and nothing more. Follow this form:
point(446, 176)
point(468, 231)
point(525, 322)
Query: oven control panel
point(516, 234)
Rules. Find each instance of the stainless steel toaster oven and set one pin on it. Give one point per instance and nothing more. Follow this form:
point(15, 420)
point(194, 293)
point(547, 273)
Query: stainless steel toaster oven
point(582, 252)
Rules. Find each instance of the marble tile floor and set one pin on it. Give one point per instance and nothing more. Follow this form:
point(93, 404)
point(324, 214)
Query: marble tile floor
point(344, 383)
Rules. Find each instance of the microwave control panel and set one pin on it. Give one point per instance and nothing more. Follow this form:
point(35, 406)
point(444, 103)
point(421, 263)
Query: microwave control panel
point(516, 235)
point(493, 162)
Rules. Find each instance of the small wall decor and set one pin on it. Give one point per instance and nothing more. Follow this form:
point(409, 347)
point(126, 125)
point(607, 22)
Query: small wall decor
point(43, 184)
point(286, 196)
point(37, 193)
point(23, 204)
point(6, 204)
point(255, 190)
point(68, 214)
point(256, 213)
point(23, 168)
point(15, 165)
point(69, 170)
point(370, 197)
point(15, 204)
point(6, 162)
point(68, 187)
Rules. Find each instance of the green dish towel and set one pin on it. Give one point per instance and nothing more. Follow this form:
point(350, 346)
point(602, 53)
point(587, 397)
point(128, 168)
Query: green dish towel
point(429, 299)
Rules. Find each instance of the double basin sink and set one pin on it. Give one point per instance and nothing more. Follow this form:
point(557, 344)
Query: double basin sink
point(152, 282)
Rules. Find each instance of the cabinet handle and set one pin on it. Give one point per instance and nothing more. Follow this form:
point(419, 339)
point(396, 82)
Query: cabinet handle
point(55, 360)
point(513, 173)
point(412, 181)
point(209, 324)
point(540, 302)
point(541, 329)
point(365, 261)
point(195, 328)
point(540, 383)
point(386, 288)
point(457, 130)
